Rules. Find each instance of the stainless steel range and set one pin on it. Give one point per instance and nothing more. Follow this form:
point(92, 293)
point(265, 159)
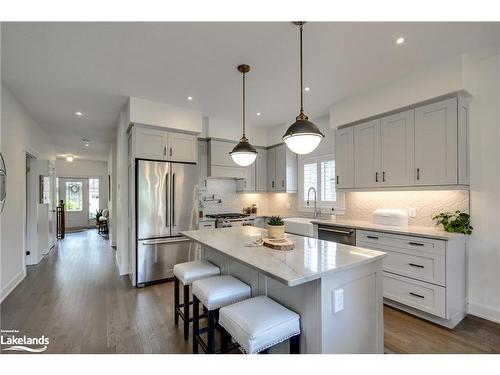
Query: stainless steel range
point(232, 220)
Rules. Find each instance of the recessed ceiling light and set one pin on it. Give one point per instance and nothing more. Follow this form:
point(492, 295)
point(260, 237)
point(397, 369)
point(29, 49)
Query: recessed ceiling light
point(399, 41)
point(69, 158)
point(79, 113)
point(307, 88)
point(258, 113)
point(189, 98)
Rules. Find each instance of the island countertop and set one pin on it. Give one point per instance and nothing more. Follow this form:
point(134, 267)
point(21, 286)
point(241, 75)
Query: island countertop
point(311, 258)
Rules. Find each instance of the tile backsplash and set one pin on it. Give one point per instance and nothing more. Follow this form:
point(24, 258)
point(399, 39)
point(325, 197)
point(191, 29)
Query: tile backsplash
point(360, 205)
point(231, 201)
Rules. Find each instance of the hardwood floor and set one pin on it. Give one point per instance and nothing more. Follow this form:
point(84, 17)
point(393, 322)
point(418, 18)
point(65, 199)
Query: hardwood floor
point(76, 298)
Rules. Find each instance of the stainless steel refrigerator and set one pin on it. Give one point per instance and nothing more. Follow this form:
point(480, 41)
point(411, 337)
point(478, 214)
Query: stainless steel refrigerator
point(166, 204)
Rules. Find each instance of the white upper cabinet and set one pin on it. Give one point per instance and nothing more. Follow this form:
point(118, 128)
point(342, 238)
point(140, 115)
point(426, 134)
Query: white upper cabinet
point(220, 163)
point(344, 157)
point(271, 169)
point(424, 146)
point(150, 143)
point(158, 144)
point(281, 169)
point(261, 174)
point(182, 147)
point(397, 149)
point(367, 154)
point(436, 132)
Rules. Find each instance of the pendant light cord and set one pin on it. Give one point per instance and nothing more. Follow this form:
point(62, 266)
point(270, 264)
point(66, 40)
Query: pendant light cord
point(301, 73)
point(244, 105)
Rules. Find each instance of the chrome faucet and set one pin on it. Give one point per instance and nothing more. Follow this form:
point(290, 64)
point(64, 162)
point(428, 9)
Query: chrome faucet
point(315, 213)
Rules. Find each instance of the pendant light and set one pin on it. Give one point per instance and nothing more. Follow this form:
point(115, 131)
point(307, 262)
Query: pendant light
point(302, 137)
point(244, 153)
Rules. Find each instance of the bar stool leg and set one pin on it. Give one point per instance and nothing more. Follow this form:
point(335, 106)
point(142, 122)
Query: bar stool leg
point(186, 312)
point(295, 344)
point(224, 340)
point(211, 332)
point(176, 300)
point(196, 323)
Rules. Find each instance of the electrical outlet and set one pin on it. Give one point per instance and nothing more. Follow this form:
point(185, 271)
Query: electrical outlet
point(338, 300)
point(412, 212)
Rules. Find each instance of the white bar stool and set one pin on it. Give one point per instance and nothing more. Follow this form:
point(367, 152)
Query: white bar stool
point(186, 273)
point(259, 323)
point(214, 293)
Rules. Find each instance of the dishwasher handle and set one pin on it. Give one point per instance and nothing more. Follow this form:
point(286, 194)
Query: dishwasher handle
point(346, 232)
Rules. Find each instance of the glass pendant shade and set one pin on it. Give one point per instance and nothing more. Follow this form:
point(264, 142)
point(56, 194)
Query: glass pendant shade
point(244, 153)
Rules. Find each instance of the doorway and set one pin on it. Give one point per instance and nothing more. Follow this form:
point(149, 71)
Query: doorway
point(75, 194)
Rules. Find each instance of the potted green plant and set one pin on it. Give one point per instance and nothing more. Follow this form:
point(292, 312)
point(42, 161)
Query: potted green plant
point(97, 215)
point(458, 222)
point(276, 227)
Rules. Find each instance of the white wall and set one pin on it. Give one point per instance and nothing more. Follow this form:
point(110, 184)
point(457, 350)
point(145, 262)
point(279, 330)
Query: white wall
point(480, 77)
point(148, 112)
point(484, 249)
point(429, 82)
point(20, 134)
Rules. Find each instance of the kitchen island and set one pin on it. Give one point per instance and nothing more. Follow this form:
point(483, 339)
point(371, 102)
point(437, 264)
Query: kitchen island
point(336, 289)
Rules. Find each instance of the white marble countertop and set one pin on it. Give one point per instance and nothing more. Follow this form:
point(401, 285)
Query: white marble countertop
point(311, 258)
point(411, 230)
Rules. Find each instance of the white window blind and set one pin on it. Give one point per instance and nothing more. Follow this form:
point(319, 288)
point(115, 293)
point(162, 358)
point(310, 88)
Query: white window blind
point(328, 181)
point(310, 177)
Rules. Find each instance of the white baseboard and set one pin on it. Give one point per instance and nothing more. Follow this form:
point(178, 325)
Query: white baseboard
point(11, 285)
point(485, 312)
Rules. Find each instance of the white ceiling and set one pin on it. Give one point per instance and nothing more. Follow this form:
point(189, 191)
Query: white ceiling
point(55, 69)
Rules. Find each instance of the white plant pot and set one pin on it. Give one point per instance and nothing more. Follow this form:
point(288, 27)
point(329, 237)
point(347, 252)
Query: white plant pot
point(276, 232)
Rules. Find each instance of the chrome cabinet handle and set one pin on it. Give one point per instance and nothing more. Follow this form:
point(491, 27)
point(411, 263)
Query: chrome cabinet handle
point(415, 243)
point(417, 295)
point(416, 265)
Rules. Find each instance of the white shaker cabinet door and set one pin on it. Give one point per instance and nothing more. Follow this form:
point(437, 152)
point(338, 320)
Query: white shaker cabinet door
point(344, 157)
point(367, 154)
point(271, 169)
point(182, 147)
point(261, 174)
point(436, 143)
point(281, 183)
point(397, 149)
point(150, 144)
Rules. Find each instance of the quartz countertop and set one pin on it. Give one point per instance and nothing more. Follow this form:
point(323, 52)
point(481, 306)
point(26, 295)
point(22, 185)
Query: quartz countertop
point(311, 258)
point(411, 230)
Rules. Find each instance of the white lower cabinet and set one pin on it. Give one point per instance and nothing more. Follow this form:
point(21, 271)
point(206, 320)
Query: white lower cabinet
point(423, 276)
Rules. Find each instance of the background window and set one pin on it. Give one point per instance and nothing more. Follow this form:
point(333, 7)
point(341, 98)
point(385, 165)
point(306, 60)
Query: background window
point(93, 196)
point(74, 196)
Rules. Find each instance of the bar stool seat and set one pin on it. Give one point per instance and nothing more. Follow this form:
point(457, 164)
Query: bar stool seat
point(259, 323)
point(191, 271)
point(214, 293)
point(219, 291)
point(186, 273)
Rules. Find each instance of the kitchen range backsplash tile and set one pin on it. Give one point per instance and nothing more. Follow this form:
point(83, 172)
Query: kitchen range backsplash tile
point(360, 205)
point(231, 201)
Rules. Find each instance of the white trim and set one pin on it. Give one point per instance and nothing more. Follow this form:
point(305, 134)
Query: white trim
point(485, 312)
point(121, 270)
point(12, 284)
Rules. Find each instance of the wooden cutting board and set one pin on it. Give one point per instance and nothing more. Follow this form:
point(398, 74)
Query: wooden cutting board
point(282, 244)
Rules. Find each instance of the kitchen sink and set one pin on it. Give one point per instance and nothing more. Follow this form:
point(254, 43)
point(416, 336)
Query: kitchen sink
point(301, 226)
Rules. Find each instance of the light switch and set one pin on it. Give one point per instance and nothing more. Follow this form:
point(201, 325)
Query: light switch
point(338, 300)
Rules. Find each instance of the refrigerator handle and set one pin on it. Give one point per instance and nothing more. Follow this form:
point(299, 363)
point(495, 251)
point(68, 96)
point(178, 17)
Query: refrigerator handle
point(173, 199)
point(166, 200)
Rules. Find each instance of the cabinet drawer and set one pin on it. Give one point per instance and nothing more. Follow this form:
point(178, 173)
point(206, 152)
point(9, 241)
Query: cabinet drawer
point(204, 225)
point(422, 266)
point(416, 245)
point(419, 295)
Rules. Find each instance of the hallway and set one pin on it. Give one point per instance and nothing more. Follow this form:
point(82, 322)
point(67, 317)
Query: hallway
point(77, 299)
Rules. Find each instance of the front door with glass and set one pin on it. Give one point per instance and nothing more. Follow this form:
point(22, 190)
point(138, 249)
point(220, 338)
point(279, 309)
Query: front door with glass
point(74, 193)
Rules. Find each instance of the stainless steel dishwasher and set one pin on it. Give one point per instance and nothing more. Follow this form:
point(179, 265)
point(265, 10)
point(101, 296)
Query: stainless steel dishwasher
point(337, 234)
